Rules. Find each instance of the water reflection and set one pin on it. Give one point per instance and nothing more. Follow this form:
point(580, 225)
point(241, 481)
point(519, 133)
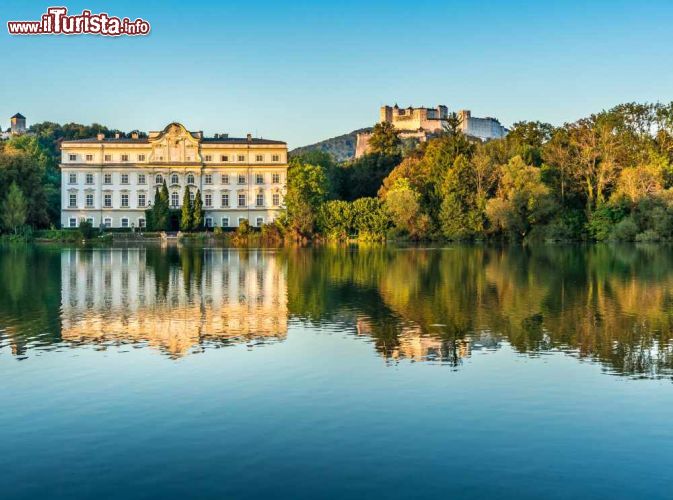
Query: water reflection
point(602, 303)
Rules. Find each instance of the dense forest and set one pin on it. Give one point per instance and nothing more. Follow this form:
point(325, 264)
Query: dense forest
point(605, 177)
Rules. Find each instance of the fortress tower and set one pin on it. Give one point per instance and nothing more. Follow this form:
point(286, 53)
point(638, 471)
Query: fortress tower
point(18, 124)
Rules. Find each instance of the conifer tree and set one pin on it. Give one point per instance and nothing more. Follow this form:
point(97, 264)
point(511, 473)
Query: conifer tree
point(186, 214)
point(197, 212)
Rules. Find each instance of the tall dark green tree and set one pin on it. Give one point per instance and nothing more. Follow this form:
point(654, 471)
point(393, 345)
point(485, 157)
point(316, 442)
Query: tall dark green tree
point(186, 222)
point(160, 213)
point(197, 212)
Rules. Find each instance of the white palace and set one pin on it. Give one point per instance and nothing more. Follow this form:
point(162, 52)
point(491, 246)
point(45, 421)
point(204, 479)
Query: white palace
point(111, 181)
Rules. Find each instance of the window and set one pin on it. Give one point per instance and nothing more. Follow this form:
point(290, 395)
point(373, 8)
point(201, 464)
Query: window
point(141, 223)
point(259, 158)
point(192, 195)
point(190, 179)
point(125, 200)
point(209, 222)
point(208, 179)
point(275, 157)
point(225, 221)
point(241, 219)
point(175, 199)
point(107, 179)
point(241, 179)
point(141, 179)
point(259, 179)
point(241, 200)
point(107, 201)
point(72, 178)
point(90, 220)
point(72, 222)
point(89, 200)
point(260, 200)
point(107, 222)
point(175, 179)
point(141, 157)
point(158, 179)
point(108, 157)
point(141, 200)
point(73, 200)
point(125, 222)
point(125, 157)
point(72, 157)
point(125, 178)
point(89, 157)
point(224, 158)
point(259, 221)
point(224, 179)
point(241, 158)
point(275, 178)
point(276, 199)
point(208, 200)
point(209, 158)
point(225, 200)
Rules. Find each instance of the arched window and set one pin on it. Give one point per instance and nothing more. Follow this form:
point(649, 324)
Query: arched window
point(175, 179)
point(159, 179)
point(190, 179)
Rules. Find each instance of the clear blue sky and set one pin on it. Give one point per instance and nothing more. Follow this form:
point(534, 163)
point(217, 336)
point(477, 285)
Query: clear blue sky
point(303, 71)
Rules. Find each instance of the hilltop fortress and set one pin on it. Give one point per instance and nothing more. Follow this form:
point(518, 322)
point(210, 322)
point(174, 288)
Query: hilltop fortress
point(419, 123)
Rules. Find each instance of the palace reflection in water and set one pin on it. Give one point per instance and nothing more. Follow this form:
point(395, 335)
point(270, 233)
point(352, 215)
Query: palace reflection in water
point(211, 296)
point(607, 304)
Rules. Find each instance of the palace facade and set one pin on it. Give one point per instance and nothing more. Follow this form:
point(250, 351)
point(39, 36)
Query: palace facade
point(111, 181)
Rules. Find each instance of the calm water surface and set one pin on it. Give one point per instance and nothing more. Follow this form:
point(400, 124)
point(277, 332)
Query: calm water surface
point(395, 373)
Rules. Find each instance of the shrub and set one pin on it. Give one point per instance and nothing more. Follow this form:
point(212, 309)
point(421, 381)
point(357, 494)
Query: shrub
point(648, 235)
point(625, 230)
point(86, 229)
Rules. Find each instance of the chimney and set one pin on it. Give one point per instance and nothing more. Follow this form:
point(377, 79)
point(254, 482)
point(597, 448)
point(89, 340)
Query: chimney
point(134, 135)
point(117, 135)
point(216, 136)
point(249, 137)
point(100, 137)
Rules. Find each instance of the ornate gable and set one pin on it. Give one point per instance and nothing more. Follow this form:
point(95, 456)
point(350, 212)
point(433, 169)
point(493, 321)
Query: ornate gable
point(175, 144)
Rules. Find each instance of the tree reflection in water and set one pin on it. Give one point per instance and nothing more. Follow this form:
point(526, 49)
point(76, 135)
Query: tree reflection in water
point(611, 304)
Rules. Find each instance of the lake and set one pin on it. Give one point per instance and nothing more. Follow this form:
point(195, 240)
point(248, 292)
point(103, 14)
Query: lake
point(465, 371)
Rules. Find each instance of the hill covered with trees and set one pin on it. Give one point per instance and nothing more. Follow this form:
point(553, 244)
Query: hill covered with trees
point(341, 147)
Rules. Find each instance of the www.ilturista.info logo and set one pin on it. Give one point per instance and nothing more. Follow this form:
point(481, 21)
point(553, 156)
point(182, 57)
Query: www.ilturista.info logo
point(56, 21)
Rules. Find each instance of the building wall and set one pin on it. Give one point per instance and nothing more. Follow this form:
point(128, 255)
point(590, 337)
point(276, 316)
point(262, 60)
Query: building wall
point(131, 171)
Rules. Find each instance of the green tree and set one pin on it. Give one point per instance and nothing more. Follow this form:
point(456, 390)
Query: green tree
point(369, 218)
point(14, 209)
point(522, 202)
point(461, 215)
point(197, 212)
point(307, 190)
point(384, 140)
point(21, 166)
point(160, 213)
point(335, 219)
point(186, 222)
point(363, 177)
point(403, 207)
